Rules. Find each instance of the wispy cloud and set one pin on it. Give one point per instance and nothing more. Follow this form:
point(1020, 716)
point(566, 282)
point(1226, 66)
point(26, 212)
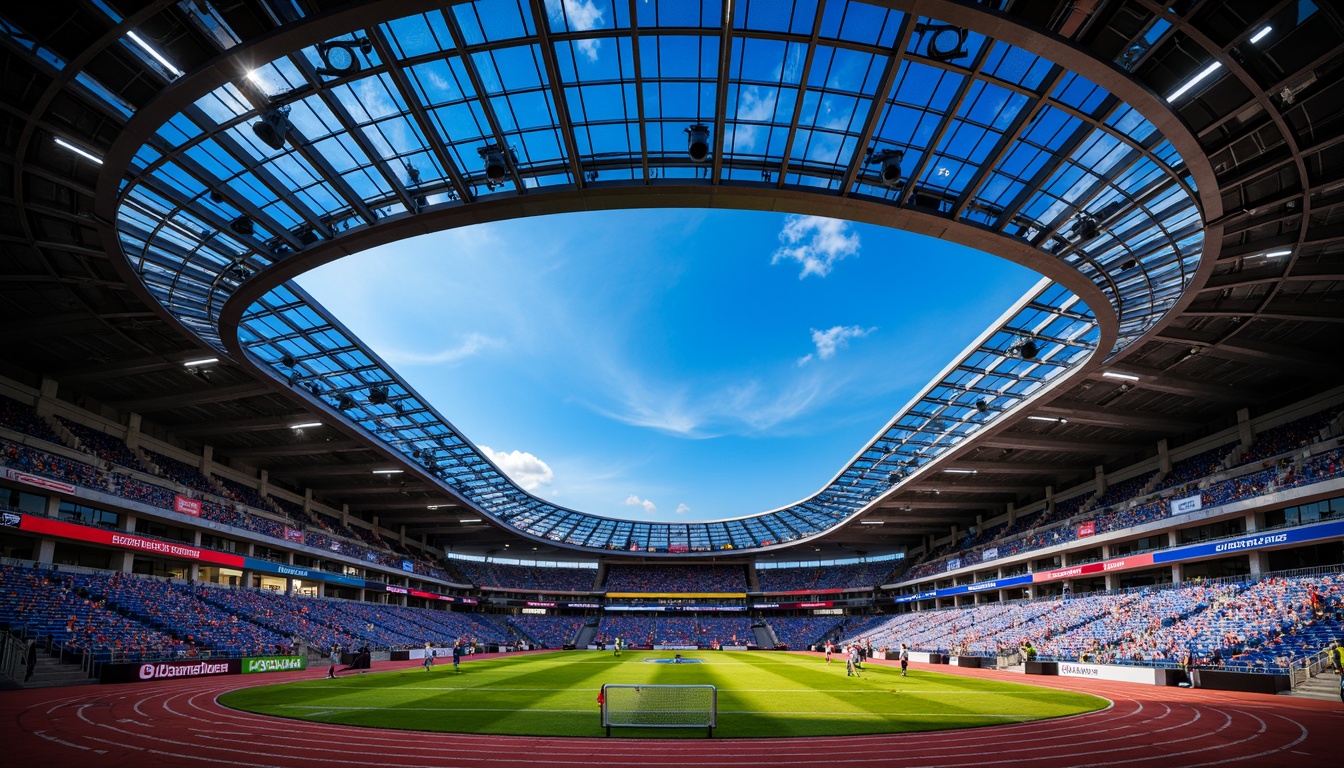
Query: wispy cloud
point(523, 468)
point(816, 243)
point(832, 339)
point(634, 501)
point(472, 344)
point(682, 509)
point(582, 15)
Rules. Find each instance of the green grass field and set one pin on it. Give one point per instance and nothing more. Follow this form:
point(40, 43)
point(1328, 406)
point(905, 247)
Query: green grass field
point(759, 694)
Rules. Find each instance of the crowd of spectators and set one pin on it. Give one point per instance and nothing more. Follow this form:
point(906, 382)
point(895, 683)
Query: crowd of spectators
point(1196, 467)
point(242, 494)
point(799, 632)
point(861, 575)
point(549, 631)
point(705, 631)
point(33, 461)
point(180, 472)
point(676, 578)
point(1124, 490)
point(525, 578)
point(1284, 438)
point(22, 418)
point(103, 446)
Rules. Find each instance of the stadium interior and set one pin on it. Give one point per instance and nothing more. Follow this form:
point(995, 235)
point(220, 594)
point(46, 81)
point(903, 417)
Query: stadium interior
point(1143, 461)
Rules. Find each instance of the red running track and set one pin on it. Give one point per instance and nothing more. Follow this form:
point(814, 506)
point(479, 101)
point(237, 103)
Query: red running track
point(178, 723)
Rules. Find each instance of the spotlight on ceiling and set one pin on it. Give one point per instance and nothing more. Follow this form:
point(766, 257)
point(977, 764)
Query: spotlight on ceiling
point(890, 160)
point(345, 402)
point(697, 142)
point(288, 360)
point(496, 164)
point(982, 406)
point(1028, 349)
point(273, 127)
point(377, 395)
point(242, 226)
point(1086, 228)
point(338, 56)
point(944, 42)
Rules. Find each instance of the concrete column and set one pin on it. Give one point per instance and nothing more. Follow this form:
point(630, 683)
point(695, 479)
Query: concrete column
point(45, 405)
point(123, 561)
point(1253, 521)
point(321, 589)
point(1175, 573)
point(307, 499)
point(128, 523)
point(1259, 563)
point(1012, 513)
point(289, 586)
point(1173, 538)
point(289, 558)
point(53, 506)
point(1163, 457)
point(196, 539)
point(133, 432)
point(1244, 428)
point(402, 537)
point(207, 460)
point(1112, 582)
point(194, 572)
point(265, 478)
point(1049, 499)
point(345, 514)
point(1100, 484)
point(46, 551)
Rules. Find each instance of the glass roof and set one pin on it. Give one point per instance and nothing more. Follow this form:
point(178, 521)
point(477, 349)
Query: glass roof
point(482, 101)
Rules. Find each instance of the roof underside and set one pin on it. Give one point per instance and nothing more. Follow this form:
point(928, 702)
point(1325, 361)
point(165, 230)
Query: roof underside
point(607, 106)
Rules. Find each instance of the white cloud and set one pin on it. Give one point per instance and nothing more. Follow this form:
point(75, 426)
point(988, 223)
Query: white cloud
point(816, 243)
point(832, 339)
point(753, 106)
point(472, 344)
point(682, 509)
point(634, 501)
point(582, 15)
point(523, 468)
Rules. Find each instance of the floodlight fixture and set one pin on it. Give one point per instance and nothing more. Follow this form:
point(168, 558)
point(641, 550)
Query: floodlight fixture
point(388, 471)
point(377, 395)
point(697, 142)
point(273, 127)
point(1118, 375)
point(288, 360)
point(890, 160)
point(945, 42)
point(202, 361)
point(496, 164)
point(1086, 227)
point(345, 402)
point(962, 471)
point(1258, 36)
point(306, 425)
point(338, 56)
point(1028, 349)
point(982, 406)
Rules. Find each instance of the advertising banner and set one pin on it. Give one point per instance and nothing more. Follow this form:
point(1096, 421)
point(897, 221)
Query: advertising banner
point(1306, 533)
point(953, 563)
point(293, 534)
point(62, 529)
point(992, 553)
point(185, 506)
point(167, 670)
point(1147, 675)
point(1086, 529)
point(408, 566)
point(40, 482)
point(1188, 504)
point(1104, 566)
point(257, 664)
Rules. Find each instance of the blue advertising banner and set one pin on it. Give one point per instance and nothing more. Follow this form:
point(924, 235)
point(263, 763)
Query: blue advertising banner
point(294, 571)
point(1303, 535)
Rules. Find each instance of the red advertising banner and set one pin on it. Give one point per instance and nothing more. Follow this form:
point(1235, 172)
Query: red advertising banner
point(1105, 566)
point(1087, 529)
point(40, 482)
point(293, 534)
point(48, 527)
point(186, 506)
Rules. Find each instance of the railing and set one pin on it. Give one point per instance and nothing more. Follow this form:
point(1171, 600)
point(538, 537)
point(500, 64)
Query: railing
point(12, 658)
point(1302, 670)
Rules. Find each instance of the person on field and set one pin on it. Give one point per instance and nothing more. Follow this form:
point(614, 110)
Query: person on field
point(429, 656)
point(457, 656)
point(852, 661)
point(617, 646)
point(905, 659)
point(830, 649)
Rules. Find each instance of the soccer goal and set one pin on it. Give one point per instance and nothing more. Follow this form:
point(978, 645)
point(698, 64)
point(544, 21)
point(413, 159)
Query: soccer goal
point(659, 706)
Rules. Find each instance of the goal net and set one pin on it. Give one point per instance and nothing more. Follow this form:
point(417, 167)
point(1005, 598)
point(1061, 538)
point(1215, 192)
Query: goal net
point(659, 706)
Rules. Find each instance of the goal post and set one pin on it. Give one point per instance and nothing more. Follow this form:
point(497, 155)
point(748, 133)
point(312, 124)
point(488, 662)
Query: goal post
point(659, 706)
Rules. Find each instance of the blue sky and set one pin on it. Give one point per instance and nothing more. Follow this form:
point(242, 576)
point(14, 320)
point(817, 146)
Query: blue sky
point(669, 364)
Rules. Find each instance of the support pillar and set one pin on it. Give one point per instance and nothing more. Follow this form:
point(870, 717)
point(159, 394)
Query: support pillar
point(123, 561)
point(46, 551)
point(1259, 563)
point(207, 460)
point(1100, 482)
point(1163, 457)
point(45, 405)
point(1244, 428)
point(264, 483)
point(133, 432)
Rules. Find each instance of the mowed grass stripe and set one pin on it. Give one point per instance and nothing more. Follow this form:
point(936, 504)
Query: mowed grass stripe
point(760, 694)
